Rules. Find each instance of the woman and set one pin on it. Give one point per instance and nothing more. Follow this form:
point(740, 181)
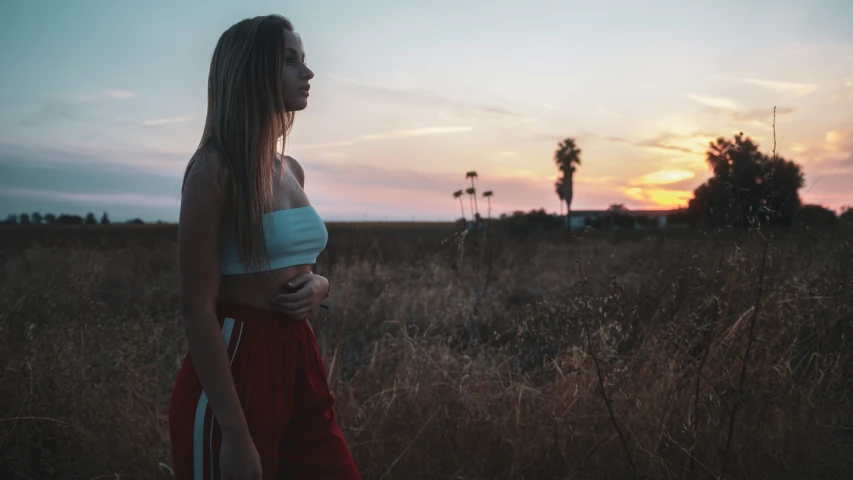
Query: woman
point(251, 399)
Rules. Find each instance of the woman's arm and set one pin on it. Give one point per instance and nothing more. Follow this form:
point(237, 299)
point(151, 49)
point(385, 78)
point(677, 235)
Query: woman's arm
point(199, 252)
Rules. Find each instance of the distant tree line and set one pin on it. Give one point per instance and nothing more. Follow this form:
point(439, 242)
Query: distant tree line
point(747, 188)
point(37, 218)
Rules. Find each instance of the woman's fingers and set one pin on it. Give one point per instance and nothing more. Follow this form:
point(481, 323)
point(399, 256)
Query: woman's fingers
point(294, 297)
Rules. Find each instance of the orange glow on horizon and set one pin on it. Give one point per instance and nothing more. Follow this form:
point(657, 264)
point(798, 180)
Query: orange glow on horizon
point(660, 197)
point(663, 177)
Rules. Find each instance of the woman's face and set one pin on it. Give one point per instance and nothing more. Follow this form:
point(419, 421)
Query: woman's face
point(296, 75)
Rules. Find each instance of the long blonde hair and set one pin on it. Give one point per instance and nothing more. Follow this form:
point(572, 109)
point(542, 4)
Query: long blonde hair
point(245, 110)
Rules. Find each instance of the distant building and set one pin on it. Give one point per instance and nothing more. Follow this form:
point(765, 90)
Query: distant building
point(618, 218)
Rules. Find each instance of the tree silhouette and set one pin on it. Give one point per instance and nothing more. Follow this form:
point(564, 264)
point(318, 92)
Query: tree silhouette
point(11, 219)
point(49, 218)
point(65, 219)
point(24, 219)
point(846, 214)
point(90, 219)
point(747, 186)
point(568, 158)
point(36, 218)
point(816, 216)
point(105, 220)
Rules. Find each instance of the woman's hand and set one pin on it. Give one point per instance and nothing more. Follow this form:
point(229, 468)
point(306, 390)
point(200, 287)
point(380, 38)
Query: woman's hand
point(310, 290)
point(238, 457)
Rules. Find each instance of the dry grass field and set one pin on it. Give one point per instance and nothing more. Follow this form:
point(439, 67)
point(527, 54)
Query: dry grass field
point(589, 356)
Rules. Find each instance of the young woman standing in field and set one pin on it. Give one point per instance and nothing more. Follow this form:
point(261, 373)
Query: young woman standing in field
point(251, 399)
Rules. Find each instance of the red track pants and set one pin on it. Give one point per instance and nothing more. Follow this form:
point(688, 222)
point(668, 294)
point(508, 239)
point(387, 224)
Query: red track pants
point(281, 382)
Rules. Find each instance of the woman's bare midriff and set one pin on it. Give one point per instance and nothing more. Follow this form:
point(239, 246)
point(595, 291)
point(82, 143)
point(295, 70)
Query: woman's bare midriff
point(258, 289)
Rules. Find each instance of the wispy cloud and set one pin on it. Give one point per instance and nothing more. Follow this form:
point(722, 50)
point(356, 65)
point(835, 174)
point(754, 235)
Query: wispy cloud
point(52, 110)
point(715, 102)
point(422, 98)
point(165, 121)
point(417, 132)
point(548, 105)
point(582, 180)
point(608, 112)
point(111, 94)
point(781, 87)
point(123, 158)
point(760, 117)
point(693, 143)
point(849, 84)
point(105, 199)
point(318, 146)
point(120, 94)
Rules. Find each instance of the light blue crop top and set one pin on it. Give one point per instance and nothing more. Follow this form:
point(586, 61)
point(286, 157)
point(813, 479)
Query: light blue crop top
point(294, 236)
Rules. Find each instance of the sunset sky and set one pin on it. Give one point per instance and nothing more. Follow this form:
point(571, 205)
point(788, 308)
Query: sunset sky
point(103, 102)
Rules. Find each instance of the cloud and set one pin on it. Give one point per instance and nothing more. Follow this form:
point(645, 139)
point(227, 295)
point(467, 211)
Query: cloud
point(840, 146)
point(662, 177)
point(417, 132)
point(334, 155)
point(657, 142)
point(692, 143)
point(714, 102)
point(418, 97)
point(582, 180)
point(833, 138)
point(103, 96)
point(71, 107)
point(316, 146)
point(781, 87)
point(120, 94)
point(128, 159)
point(659, 197)
point(849, 84)
point(760, 117)
point(608, 112)
point(762, 113)
point(165, 121)
point(100, 199)
point(52, 110)
point(549, 106)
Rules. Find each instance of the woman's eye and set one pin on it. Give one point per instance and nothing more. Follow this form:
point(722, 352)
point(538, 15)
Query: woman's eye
point(290, 60)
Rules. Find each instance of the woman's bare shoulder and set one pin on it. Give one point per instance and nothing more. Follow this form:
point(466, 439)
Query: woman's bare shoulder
point(297, 169)
point(208, 169)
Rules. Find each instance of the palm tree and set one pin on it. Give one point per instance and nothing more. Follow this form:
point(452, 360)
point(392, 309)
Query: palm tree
point(458, 195)
point(488, 195)
point(472, 175)
point(567, 157)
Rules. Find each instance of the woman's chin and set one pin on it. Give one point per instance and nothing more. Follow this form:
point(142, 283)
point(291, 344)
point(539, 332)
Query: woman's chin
point(297, 105)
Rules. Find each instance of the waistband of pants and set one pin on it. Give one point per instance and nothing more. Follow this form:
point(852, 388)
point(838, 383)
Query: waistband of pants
point(249, 314)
